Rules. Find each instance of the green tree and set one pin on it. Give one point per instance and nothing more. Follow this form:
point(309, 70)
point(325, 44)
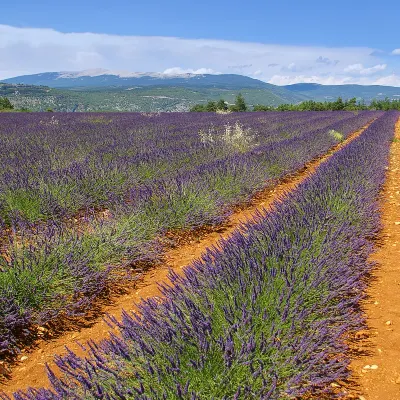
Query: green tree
point(308, 105)
point(286, 107)
point(5, 104)
point(351, 104)
point(240, 104)
point(198, 108)
point(211, 106)
point(221, 105)
point(338, 104)
point(260, 107)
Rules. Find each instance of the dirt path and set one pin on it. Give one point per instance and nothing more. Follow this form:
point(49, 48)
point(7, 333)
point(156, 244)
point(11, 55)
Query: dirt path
point(382, 341)
point(31, 371)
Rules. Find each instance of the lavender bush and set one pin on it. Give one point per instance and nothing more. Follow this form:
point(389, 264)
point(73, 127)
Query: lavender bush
point(51, 167)
point(265, 316)
point(152, 173)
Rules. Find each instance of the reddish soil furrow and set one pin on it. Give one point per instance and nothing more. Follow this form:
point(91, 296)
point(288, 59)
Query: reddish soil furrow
point(31, 371)
point(381, 342)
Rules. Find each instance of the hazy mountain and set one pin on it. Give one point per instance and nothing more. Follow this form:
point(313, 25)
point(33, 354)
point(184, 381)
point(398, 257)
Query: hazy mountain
point(101, 78)
point(104, 90)
point(318, 92)
point(145, 98)
point(99, 88)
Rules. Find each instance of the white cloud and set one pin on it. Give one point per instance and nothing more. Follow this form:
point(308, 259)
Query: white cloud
point(293, 67)
point(360, 69)
point(354, 68)
point(290, 80)
point(391, 80)
point(179, 70)
point(373, 70)
point(34, 50)
point(396, 52)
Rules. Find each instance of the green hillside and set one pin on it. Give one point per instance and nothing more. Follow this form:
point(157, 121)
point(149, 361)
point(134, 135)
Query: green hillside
point(181, 98)
point(146, 99)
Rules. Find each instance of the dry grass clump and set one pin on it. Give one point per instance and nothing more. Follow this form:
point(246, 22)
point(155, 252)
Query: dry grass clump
point(236, 136)
point(336, 135)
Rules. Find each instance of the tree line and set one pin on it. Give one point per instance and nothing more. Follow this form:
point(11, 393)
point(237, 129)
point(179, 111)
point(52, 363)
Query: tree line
point(5, 104)
point(222, 105)
point(308, 105)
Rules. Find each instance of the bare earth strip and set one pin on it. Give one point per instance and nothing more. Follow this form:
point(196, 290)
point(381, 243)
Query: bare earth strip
point(31, 371)
point(381, 342)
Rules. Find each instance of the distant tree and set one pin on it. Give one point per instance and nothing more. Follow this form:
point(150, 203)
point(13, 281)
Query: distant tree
point(338, 104)
point(361, 105)
point(5, 104)
point(221, 105)
point(260, 107)
point(351, 104)
point(308, 105)
point(50, 110)
point(240, 103)
point(198, 108)
point(285, 107)
point(211, 106)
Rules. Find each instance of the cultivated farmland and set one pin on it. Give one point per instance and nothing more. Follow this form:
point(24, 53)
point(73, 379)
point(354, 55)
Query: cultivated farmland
point(88, 201)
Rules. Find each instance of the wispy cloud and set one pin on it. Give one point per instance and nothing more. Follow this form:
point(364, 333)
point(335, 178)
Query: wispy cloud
point(179, 70)
point(34, 50)
point(396, 52)
point(390, 80)
point(373, 70)
point(360, 69)
point(326, 60)
point(240, 67)
point(324, 80)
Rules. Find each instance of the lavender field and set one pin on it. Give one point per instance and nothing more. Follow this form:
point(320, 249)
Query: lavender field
point(55, 166)
point(86, 196)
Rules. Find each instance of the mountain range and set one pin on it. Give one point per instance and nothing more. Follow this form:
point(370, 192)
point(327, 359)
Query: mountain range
point(107, 78)
point(105, 90)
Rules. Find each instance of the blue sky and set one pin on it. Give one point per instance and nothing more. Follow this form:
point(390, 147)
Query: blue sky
point(277, 41)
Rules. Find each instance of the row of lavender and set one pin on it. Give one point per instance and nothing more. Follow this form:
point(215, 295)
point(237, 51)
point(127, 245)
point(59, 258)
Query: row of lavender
point(263, 318)
point(55, 269)
point(51, 167)
point(60, 270)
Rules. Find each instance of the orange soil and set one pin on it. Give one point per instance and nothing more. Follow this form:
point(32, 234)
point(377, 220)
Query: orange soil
point(380, 344)
point(31, 371)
